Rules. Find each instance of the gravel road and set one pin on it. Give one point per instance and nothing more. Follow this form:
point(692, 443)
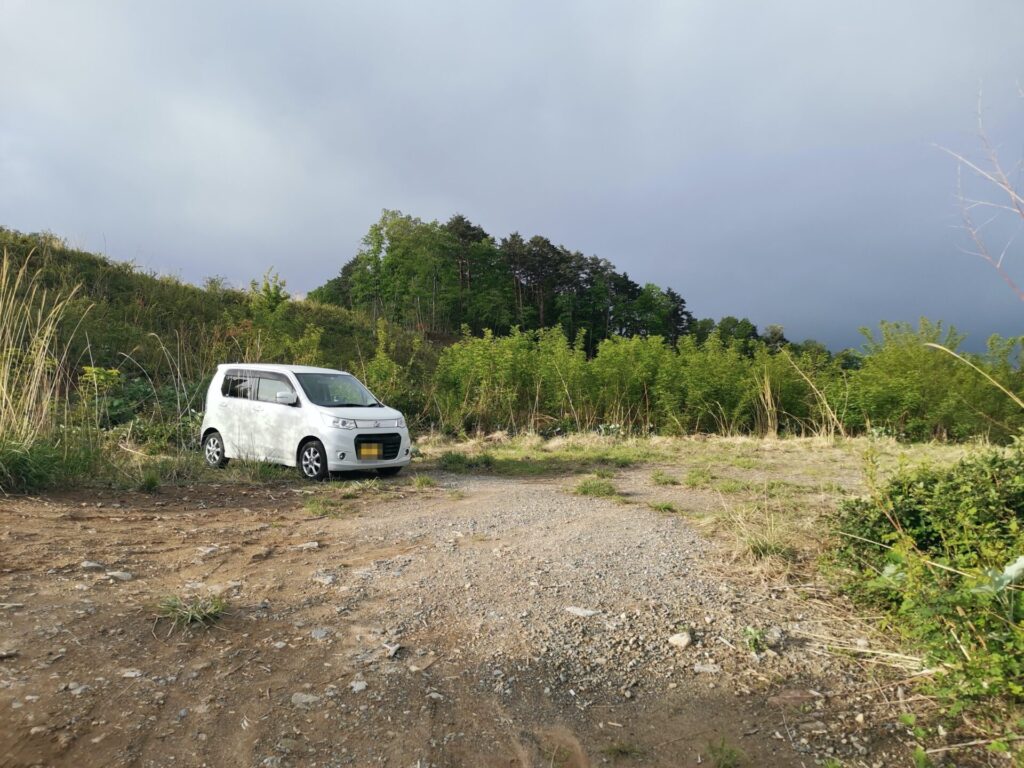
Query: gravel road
point(484, 622)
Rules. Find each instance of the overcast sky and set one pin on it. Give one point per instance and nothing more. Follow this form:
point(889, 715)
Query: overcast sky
point(767, 159)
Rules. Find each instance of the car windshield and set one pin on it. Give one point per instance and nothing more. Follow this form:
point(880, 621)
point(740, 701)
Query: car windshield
point(336, 390)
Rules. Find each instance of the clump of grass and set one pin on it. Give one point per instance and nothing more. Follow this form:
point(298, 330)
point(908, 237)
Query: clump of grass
point(763, 548)
point(150, 482)
point(699, 477)
point(24, 468)
point(606, 474)
point(724, 755)
point(622, 749)
point(595, 486)
point(663, 506)
point(660, 478)
point(203, 611)
point(358, 488)
point(728, 485)
point(423, 481)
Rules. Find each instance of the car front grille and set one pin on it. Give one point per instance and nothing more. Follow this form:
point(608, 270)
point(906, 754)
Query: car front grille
point(390, 444)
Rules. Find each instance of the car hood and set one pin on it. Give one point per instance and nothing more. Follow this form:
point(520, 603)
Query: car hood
point(366, 417)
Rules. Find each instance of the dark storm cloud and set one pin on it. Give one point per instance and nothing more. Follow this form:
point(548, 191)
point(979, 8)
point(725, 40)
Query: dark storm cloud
point(767, 159)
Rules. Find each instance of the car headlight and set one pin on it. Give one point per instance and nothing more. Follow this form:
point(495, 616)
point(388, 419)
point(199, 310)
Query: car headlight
point(337, 422)
point(401, 422)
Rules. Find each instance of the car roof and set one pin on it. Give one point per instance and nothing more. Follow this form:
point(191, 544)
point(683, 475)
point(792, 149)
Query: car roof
point(278, 368)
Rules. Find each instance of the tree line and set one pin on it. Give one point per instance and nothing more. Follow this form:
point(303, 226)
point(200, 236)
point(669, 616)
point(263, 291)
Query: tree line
point(162, 336)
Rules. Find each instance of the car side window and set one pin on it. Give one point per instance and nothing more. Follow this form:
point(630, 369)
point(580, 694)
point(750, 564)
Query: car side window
point(239, 384)
point(269, 387)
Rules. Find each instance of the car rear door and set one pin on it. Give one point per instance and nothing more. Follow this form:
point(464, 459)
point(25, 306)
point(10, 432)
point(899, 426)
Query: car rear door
point(276, 425)
point(235, 413)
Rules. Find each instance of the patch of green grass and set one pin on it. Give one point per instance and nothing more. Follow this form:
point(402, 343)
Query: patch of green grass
point(698, 477)
point(660, 478)
point(454, 461)
point(423, 481)
point(662, 506)
point(724, 755)
point(203, 611)
point(607, 474)
point(744, 462)
point(42, 465)
point(729, 485)
point(595, 486)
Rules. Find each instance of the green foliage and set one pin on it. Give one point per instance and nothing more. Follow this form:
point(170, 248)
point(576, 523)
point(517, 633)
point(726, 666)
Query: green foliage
point(912, 392)
point(943, 550)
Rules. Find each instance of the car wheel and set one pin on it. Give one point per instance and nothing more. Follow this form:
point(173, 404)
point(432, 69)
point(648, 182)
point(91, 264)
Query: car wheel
point(313, 460)
point(213, 450)
point(388, 471)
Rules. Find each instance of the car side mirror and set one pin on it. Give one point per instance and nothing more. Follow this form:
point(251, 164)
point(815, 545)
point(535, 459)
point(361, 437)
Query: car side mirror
point(286, 398)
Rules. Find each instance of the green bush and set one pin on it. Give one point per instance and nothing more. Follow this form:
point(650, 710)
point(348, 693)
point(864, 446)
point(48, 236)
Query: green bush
point(942, 549)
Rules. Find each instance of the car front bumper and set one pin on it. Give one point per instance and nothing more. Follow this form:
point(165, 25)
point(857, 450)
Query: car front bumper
point(342, 452)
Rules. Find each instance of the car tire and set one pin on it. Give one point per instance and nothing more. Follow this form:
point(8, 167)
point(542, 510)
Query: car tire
point(388, 471)
point(213, 451)
point(313, 460)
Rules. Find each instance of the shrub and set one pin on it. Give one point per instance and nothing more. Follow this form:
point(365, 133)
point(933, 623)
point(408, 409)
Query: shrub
point(941, 549)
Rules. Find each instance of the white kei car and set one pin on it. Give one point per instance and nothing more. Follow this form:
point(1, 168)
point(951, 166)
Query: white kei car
point(317, 419)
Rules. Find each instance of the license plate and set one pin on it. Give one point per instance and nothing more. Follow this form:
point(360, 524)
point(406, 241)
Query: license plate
point(370, 451)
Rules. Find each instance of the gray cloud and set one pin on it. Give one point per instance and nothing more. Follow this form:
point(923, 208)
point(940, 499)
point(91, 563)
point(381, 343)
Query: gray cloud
point(769, 159)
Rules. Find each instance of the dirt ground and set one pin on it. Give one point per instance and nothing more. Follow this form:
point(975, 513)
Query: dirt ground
point(479, 621)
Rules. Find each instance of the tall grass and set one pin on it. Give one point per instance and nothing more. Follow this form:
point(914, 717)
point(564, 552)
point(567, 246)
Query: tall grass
point(34, 377)
point(33, 364)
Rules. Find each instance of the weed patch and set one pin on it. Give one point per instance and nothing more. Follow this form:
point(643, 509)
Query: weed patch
point(182, 613)
point(724, 755)
point(699, 477)
point(660, 478)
